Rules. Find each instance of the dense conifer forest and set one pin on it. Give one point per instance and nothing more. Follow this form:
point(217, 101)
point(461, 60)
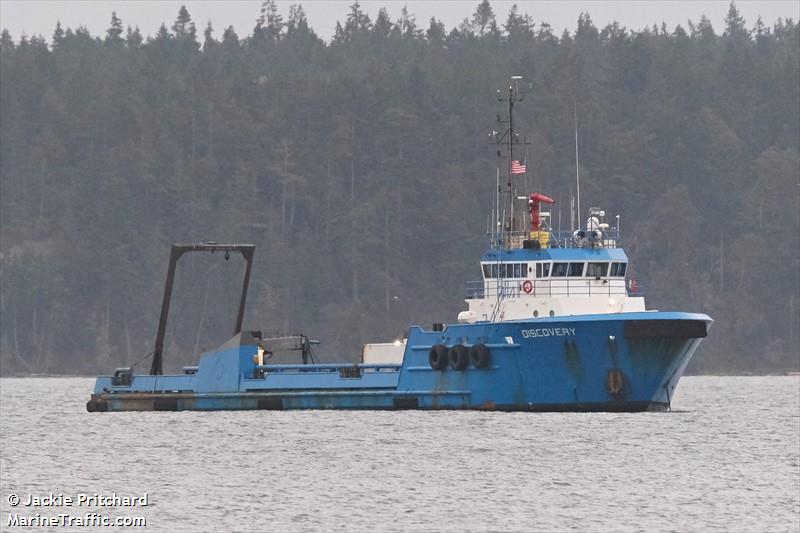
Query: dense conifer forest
point(361, 169)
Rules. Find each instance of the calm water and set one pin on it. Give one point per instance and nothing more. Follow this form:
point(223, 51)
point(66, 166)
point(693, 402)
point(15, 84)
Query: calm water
point(727, 459)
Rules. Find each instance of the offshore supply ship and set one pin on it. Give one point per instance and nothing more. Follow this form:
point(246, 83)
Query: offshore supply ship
point(555, 324)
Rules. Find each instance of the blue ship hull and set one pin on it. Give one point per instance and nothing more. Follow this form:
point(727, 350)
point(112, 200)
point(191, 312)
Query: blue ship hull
point(603, 362)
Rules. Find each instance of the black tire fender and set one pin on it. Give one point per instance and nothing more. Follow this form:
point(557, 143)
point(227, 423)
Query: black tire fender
point(459, 357)
point(437, 357)
point(480, 356)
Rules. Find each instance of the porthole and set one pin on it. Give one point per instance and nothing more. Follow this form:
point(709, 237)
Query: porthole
point(536, 313)
point(552, 313)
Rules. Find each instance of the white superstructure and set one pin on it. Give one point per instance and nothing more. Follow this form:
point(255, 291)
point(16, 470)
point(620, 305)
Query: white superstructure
point(536, 274)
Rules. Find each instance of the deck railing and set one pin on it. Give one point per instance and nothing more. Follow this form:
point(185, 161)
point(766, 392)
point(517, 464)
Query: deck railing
point(558, 239)
point(514, 288)
point(333, 367)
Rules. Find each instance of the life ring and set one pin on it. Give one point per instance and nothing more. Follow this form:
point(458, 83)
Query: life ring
point(633, 285)
point(527, 287)
point(615, 382)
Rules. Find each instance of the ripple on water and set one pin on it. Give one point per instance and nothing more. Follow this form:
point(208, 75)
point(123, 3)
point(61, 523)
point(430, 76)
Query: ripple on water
point(726, 459)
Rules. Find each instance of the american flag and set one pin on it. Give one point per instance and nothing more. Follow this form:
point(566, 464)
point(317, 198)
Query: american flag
point(518, 167)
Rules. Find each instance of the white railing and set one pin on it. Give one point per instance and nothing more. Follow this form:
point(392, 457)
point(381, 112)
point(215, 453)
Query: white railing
point(506, 288)
point(557, 239)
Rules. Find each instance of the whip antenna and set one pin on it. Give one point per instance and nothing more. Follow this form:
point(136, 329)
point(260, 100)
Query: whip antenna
point(577, 164)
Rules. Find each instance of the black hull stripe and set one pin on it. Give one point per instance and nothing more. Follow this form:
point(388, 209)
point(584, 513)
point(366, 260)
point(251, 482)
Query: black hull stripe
point(172, 404)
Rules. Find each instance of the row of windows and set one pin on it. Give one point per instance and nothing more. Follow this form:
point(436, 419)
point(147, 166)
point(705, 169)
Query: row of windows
point(506, 270)
point(558, 270)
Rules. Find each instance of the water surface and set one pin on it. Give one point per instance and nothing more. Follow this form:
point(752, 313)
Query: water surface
point(726, 459)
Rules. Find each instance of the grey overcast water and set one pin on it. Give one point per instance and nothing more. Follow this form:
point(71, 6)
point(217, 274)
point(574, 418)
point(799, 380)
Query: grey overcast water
point(726, 459)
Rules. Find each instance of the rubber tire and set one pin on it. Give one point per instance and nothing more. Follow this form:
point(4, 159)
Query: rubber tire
point(480, 356)
point(437, 357)
point(459, 357)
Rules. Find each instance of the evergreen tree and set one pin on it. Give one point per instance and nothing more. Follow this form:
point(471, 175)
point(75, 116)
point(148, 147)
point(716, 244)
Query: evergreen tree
point(436, 31)
point(270, 23)
point(519, 28)
point(58, 36)
point(735, 25)
point(133, 37)
point(185, 34)
point(297, 23)
point(6, 42)
point(114, 31)
point(229, 38)
point(183, 26)
point(704, 30)
point(356, 24)
point(483, 18)
point(208, 38)
point(162, 34)
point(383, 26)
point(407, 24)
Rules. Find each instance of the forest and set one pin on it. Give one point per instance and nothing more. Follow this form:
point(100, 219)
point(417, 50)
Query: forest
point(361, 169)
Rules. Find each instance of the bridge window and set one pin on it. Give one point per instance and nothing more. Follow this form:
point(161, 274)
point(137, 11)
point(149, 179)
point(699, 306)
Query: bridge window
point(560, 270)
point(576, 269)
point(618, 270)
point(596, 270)
point(505, 270)
point(542, 270)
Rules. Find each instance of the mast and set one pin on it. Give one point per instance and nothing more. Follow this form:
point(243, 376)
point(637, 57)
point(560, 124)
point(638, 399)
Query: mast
point(496, 222)
point(511, 154)
point(510, 138)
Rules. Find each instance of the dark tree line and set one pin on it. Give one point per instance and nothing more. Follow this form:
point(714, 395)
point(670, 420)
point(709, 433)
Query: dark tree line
point(360, 168)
